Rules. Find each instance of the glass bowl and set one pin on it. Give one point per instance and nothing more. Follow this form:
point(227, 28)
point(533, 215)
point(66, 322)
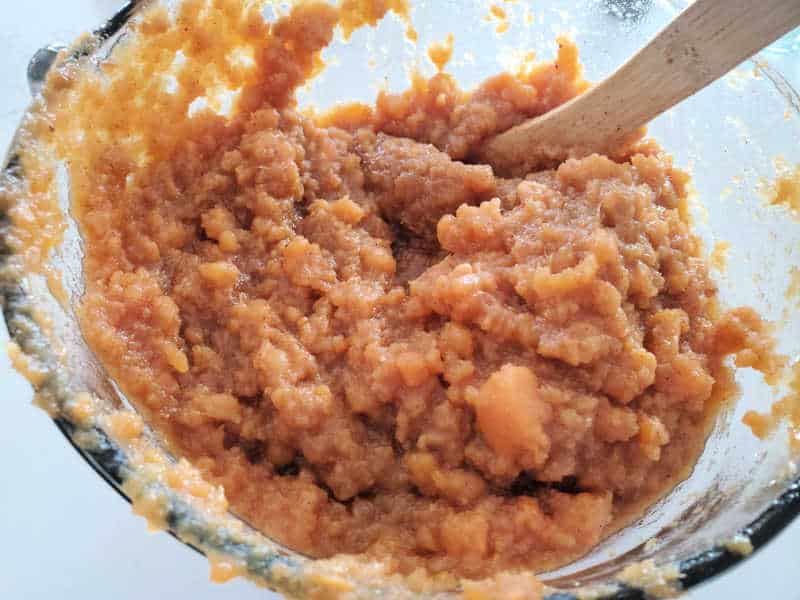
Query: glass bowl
point(734, 138)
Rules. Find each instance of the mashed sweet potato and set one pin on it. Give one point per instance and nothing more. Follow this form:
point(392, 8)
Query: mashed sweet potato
point(374, 345)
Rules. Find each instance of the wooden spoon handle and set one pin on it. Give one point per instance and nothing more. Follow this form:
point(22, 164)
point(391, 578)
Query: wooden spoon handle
point(703, 43)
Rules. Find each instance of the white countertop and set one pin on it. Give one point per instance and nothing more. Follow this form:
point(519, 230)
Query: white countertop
point(64, 532)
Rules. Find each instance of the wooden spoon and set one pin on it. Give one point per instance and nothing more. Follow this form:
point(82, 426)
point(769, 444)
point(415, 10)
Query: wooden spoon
point(703, 43)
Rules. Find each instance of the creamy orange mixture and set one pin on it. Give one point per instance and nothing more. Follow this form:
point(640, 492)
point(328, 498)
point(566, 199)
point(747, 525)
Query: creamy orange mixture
point(374, 345)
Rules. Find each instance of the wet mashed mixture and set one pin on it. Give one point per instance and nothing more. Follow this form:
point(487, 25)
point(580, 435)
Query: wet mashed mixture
point(373, 344)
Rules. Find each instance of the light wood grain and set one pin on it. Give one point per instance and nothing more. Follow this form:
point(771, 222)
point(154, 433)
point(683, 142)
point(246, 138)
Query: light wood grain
point(703, 43)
